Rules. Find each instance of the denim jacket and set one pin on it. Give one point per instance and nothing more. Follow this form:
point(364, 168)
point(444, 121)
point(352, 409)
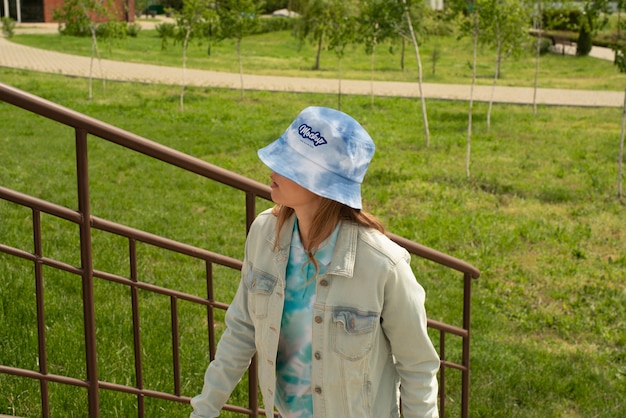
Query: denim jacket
point(370, 341)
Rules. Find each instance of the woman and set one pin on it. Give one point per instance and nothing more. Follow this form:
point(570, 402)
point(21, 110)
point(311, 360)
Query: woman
point(328, 302)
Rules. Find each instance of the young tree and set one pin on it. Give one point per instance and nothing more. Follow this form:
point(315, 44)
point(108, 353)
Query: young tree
point(378, 21)
point(419, 9)
point(237, 19)
point(313, 25)
point(191, 23)
point(470, 24)
point(505, 29)
point(620, 62)
point(475, 31)
point(342, 25)
point(80, 18)
point(538, 27)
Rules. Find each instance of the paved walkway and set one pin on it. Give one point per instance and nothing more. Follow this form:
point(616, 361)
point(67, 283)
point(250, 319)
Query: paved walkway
point(13, 55)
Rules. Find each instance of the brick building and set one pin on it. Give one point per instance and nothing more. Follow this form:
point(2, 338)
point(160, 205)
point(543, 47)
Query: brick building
point(42, 10)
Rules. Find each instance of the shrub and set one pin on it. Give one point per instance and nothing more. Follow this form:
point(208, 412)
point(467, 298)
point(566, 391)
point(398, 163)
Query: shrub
point(72, 19)
point(133, 29)
point(270, 5)
point(584, 44)
point(274, 24)
point(8, 27)
point(544, 46)
point(112, 29)
point(166, 31)
point(561, 19)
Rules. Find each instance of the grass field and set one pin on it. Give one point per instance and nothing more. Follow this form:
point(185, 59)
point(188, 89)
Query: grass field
point(538, 217)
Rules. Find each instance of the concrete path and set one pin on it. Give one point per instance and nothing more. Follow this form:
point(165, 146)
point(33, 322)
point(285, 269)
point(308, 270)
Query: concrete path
point(13, 55)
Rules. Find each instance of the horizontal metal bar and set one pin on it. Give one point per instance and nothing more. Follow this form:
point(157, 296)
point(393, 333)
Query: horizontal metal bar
point(157, 289)
point(127, 139)
point(168, 244)
point(436, 256)
point(40, 376)
point(43, 260)
point(452, 365)
point(42, 205)
point(451, 329)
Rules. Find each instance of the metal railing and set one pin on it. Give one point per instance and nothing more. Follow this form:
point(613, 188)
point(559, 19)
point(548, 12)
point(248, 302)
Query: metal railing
point(87, 223)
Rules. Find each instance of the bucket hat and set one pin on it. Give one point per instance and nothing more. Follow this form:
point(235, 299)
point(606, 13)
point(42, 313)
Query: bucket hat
point(325, 151)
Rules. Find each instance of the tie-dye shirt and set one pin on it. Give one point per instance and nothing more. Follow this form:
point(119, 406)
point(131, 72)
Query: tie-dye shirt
point(293, 364)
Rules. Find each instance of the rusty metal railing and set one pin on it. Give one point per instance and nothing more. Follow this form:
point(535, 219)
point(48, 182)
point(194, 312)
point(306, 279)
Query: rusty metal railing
point(87, 223)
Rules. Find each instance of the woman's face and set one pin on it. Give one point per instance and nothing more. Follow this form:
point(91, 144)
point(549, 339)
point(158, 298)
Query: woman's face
point(288, 193)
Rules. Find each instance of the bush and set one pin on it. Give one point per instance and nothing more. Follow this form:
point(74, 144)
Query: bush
point(166, 31)
point(584, 44)
point(72, 19)
point(561, 19)
point(274, 24)
point(544, 46)
point(133, 29)
point(112, 29)
point(8, 27)
point(271, 5)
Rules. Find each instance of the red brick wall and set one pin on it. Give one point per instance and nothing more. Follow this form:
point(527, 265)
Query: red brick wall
point(125, 9)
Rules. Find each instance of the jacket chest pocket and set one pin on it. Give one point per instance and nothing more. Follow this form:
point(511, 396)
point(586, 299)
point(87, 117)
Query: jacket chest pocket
point(260, 288)
point(352, 333)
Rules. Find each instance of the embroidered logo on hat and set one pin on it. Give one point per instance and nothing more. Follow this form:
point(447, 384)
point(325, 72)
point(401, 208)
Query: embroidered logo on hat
point(306, 132)
point(343, 151)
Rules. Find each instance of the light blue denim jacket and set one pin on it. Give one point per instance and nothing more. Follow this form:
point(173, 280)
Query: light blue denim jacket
point(369, 332)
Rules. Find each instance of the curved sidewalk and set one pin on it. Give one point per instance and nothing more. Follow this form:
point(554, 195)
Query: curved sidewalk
point(13, 55)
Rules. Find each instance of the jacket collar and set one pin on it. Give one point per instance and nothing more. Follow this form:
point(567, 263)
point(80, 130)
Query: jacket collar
point(342, 263)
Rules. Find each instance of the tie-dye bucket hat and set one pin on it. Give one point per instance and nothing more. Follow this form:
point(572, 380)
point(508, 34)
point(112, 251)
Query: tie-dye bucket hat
point(325, 151)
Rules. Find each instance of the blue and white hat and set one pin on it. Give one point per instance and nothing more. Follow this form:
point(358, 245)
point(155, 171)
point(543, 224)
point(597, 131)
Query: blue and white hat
point(325, 151)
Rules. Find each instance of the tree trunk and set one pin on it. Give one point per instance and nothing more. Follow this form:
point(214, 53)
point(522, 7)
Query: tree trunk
point(620, 160)
point(402, 55)
point(184, 81)
point(495, 80)
point(240, 66)
point(419, 74)
point(539, 27)
point(319, 53)
point(339, 84)
point(471, 101)
point(372, 75)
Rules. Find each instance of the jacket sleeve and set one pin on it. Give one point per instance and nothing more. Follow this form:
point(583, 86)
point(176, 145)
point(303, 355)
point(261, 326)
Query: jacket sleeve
point(232, 358)
point(404, 324)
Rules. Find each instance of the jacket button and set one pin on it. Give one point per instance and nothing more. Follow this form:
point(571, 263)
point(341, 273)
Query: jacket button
point(318, 390)
point(317, 355)
point(318, 319)
point(323, 283)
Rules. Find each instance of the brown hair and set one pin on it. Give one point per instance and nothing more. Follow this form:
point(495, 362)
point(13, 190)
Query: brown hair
point(326, 218)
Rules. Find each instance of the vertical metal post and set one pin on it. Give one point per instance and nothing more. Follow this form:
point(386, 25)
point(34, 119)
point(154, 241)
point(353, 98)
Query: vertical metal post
point(253, 387)
point(250, 209)
point(465, 376)
point(253, 373)
point(87, 273)
point(210, 311)
point(134, 296)
point(41, 318)
point(442, 374)
point(175, 344)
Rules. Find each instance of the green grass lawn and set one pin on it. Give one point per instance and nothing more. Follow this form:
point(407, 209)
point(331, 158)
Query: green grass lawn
point(279, 53)
point(538, 217)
